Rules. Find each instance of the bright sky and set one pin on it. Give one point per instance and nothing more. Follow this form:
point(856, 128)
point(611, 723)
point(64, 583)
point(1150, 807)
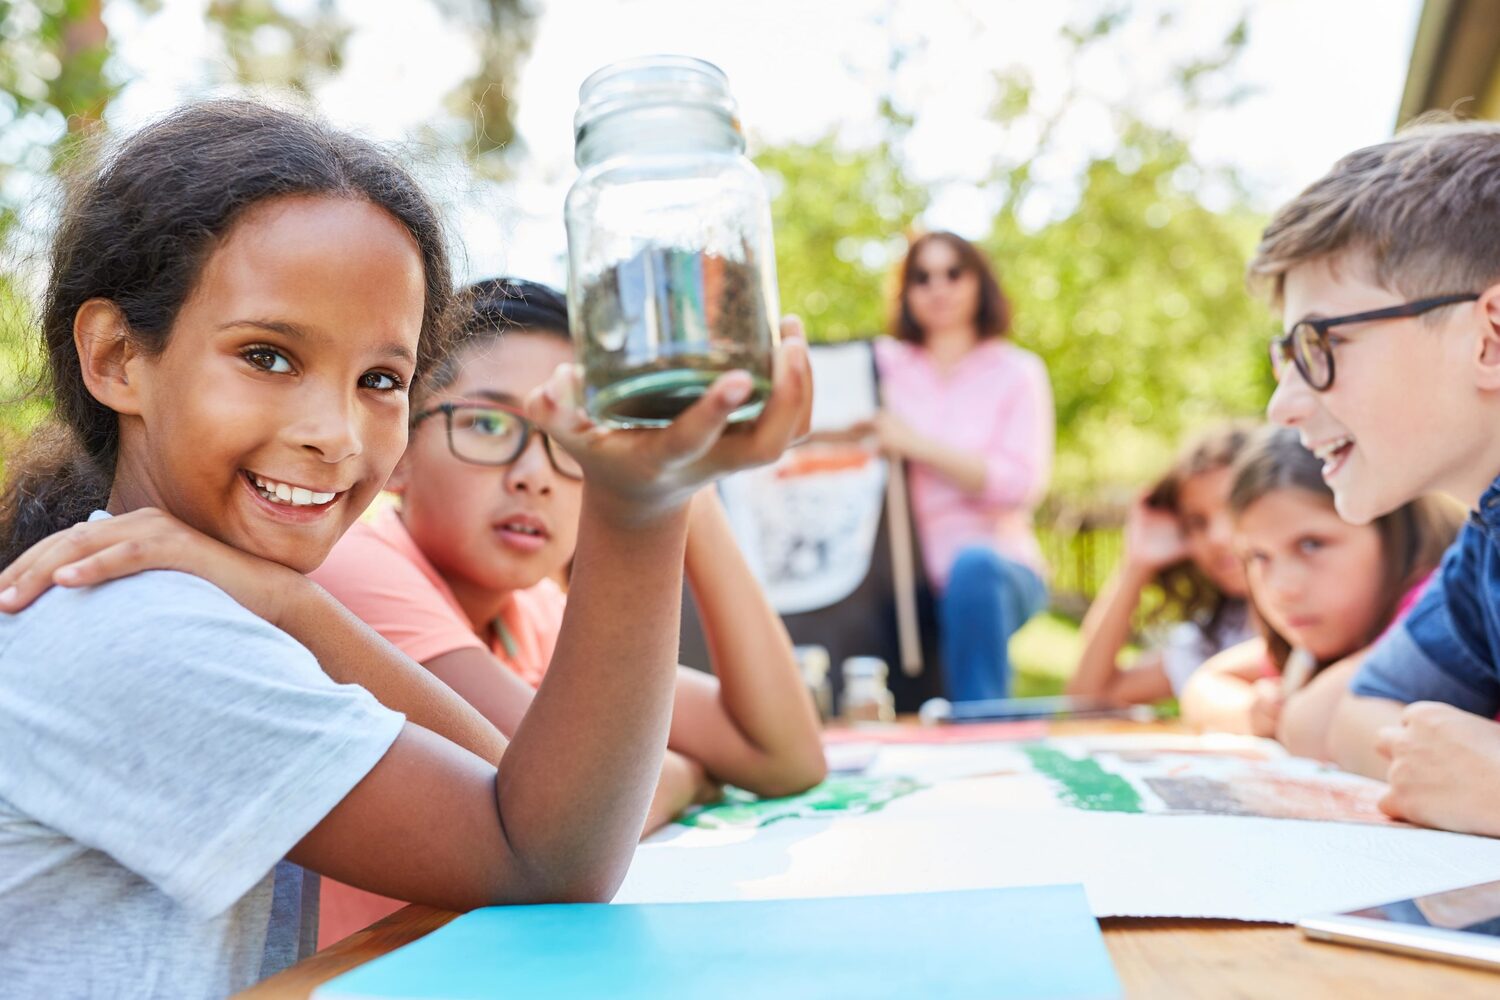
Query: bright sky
point(1325, 77)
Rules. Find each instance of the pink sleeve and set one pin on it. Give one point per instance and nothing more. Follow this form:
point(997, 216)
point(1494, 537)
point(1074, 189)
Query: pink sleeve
point(394, 597)
point(1410, 598)
point(1018, 458)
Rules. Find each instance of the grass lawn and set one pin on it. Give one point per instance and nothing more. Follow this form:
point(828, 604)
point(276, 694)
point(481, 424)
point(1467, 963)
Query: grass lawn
point(1044, 653)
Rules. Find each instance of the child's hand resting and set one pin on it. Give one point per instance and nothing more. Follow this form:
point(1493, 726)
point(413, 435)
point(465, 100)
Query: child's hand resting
point(1153, 538)
point(98, 551)
point(637, 475)
point(1445, 766)
point(1265, 709)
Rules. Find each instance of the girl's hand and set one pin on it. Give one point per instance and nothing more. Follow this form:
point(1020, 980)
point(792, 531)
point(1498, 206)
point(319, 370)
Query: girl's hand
point(1265, 710)
point(639, 475)
point(98, 551)
point(1153, 538)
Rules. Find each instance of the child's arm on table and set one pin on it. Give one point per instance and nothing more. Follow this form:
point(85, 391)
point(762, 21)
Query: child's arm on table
point(752, 722)
point(150, 539)
point(1228, 694)
point(1444, 767)
point(503, 698)
point(1153, 541)
point(347, 649)
point(1307, 715)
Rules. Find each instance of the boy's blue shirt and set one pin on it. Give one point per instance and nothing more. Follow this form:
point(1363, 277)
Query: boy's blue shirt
point(1448, 647)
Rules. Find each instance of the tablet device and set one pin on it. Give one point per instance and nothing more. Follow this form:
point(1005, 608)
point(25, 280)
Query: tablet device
point(1461, 925)
point(940, 710)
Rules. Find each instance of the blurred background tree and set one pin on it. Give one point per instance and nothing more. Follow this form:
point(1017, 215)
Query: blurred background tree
point(1132, 291)
point(1125, 267)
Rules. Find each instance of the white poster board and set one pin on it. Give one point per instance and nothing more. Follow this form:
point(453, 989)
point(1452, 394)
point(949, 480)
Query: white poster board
point(807, 524)
point(1196, 831)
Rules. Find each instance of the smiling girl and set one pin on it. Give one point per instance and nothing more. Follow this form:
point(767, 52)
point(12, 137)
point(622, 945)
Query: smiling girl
point(1319, 585)
point(240, 301)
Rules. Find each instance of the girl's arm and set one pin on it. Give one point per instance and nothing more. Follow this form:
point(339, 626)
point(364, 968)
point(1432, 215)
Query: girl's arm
point(569, 799)
point(348, 650)
point(1153, 541)
point(752, 723)
point(1223, 695)
point(490, 702)
point(1307, 716)
point(484, 682)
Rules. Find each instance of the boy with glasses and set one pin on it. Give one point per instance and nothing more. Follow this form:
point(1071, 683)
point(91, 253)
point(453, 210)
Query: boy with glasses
point(1387, 271)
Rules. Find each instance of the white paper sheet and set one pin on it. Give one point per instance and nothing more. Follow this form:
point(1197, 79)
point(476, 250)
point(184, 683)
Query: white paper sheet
point(983, 821)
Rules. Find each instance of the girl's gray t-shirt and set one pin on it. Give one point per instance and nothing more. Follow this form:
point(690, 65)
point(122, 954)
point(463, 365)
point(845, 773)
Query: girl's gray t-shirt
point(161, 750)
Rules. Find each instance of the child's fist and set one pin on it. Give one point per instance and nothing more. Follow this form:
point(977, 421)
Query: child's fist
point(1445, 765)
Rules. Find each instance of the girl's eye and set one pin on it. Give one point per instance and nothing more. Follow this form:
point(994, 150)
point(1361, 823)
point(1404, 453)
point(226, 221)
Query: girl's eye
point(1309, 546)
point(381, 381)
point(489, 424)
point(1334, 340)
point(268, 360)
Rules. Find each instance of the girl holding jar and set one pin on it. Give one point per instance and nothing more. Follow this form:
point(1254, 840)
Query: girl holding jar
point(971, 413)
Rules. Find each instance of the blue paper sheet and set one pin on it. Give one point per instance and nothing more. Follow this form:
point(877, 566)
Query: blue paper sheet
point(1034, 942)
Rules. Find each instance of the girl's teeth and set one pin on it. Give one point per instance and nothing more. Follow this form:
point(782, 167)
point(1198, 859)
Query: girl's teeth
point(295, 496)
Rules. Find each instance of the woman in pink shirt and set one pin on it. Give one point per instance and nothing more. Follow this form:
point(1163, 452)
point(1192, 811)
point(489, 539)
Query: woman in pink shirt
point(971, 413)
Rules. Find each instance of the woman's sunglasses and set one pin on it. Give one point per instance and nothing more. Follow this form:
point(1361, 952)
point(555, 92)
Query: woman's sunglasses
point(921, 277)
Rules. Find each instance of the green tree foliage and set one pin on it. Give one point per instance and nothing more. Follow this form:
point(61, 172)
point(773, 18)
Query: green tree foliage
point(840, 218)
point(52, 81)
point(503, 31)
point(269, 46)
point(1136, 300)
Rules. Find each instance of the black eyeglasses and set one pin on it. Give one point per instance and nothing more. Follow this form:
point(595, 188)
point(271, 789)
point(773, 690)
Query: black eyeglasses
point(920, 277)
point(495, 434)
point(1306, 345)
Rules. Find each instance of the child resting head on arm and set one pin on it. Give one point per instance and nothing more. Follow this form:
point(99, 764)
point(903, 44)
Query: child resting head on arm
point(1320, 585)
point(1177, 538)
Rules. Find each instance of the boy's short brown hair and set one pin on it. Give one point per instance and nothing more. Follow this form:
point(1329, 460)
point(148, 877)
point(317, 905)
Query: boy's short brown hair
point(1422, 209)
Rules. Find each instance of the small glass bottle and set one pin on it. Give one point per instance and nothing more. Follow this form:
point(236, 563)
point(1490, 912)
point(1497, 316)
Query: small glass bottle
point(671, 277)
point(866, 697)
point(813, 662)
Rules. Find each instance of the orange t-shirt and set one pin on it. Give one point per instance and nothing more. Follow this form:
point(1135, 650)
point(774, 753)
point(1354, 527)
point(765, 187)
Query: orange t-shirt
point(377, 572)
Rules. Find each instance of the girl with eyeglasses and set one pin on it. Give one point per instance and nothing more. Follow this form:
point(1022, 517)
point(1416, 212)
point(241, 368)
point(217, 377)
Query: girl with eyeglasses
point(1320, 586)
point(461, 575)
point(971, 414)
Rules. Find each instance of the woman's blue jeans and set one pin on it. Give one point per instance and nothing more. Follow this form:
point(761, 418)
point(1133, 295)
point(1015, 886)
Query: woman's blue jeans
point(988, 598)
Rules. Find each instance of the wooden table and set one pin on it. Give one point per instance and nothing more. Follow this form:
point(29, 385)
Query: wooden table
point(1154, 958)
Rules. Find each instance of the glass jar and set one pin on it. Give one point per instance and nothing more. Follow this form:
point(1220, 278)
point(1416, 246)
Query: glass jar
point(671, 276)
point(866, 696)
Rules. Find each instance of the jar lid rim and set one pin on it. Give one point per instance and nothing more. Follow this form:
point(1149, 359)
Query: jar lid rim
point(652, 80)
